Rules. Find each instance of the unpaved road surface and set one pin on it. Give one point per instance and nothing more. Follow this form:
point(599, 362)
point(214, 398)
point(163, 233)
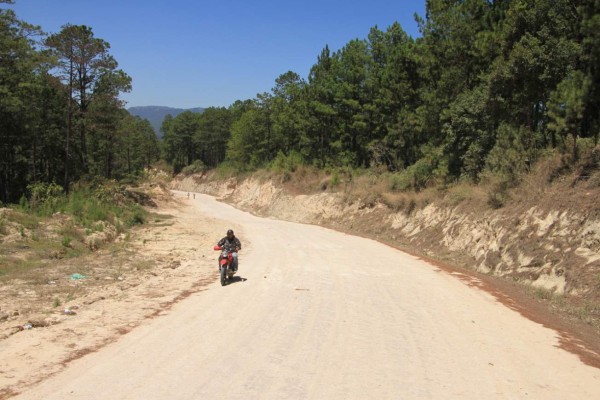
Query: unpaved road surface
point(323, 315)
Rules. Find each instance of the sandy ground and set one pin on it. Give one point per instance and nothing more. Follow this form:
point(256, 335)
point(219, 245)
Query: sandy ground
point(164, 264)
point(324, 315)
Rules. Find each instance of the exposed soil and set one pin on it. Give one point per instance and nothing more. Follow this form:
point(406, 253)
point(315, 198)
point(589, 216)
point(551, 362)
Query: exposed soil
point(52, 318)
point(324, 315)
point(169, 259)
point(558, 288)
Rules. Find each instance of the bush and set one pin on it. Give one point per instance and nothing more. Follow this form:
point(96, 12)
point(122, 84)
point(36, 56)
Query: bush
point(45, 195)
point(286, 163)
point(66, 241)
point(498, 196)
point(514, 152)
point(197, 167)
point(416, 177)
point(399, 182)
point(226, 170)
point(136, 215)
point(108, 202)
point(335, 179)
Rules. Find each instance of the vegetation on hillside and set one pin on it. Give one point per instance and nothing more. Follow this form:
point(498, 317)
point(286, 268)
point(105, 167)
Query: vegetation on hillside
point(61, 118)
point(486, 89)
point(53, 225)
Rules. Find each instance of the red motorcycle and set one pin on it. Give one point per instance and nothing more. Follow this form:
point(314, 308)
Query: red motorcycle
point(225, 264)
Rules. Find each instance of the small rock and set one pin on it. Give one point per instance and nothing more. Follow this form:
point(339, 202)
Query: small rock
point(3, 317)
point(66, 311)
point(39, 321)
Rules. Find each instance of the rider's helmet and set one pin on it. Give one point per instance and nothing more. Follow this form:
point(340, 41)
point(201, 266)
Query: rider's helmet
point(230, 234)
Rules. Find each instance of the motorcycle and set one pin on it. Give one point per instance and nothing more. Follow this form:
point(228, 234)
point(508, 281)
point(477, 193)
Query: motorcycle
point(226, 270)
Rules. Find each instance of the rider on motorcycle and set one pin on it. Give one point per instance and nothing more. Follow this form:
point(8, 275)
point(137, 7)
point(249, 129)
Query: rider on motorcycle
point(232, 244)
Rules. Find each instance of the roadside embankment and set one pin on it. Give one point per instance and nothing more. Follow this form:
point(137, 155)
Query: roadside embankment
point(550, 245)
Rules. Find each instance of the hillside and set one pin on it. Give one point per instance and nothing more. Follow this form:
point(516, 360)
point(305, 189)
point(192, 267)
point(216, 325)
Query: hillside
point(156, 114)
point(544, 238)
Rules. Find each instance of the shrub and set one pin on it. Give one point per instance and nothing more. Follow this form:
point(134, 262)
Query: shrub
point(498, 196)
point(66, 241)
point(196, 167)
point(136, 215)
point(399, 182)
point(286, 163)
point(226, 170)
point(514, 153)
point(335, 179)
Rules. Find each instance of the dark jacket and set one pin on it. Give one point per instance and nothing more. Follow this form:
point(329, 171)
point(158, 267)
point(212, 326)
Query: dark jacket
point(231, 245)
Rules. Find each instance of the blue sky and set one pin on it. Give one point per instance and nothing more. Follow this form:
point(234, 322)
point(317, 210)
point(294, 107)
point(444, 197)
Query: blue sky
point(185, 53)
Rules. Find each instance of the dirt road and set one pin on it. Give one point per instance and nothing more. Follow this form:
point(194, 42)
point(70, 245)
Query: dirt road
point(323, 315)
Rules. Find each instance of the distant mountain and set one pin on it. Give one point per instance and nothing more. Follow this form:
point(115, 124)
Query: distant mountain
point(157, 114)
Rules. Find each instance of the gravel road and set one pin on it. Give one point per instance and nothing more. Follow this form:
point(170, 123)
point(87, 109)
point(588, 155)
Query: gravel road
point(324, 315)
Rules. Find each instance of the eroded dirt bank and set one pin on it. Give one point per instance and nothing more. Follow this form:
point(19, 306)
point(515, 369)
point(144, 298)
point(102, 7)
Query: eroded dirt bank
point(549, 244)
point(320, 314)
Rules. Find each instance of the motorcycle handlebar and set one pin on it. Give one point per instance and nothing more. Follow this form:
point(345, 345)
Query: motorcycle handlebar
point(217, 247)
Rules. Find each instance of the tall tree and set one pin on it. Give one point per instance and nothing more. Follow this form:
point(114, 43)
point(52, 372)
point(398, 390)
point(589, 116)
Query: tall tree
point(289, 111)
point(82, 60)
point(179, 132)
point(18, 62)
point(210, 139)
point(590, 33)
point(322, 115)
point(396, 87)
point(105, 114)
point(137, 146)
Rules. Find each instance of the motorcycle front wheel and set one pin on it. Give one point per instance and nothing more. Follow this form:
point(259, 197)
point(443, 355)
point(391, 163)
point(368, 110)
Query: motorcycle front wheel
point(223, 276)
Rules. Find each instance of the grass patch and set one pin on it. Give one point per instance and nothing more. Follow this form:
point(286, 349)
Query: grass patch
point(28, 221)
point(66, 241)
point(3, 226)
point(51, 226)
point(17, 268)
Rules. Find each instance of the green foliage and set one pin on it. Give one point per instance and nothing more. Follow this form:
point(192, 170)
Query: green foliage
point(59, 110)
point(225, 170)
point(511, 156)
point(193, 136)
point(567, 106)
point(486, 88)
point(195, 168)
point(335, 179)
point(287, 163)
point(66, 241)
point(44, 198)
point(90, 205)
point(484, 91)
point(135, 215)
